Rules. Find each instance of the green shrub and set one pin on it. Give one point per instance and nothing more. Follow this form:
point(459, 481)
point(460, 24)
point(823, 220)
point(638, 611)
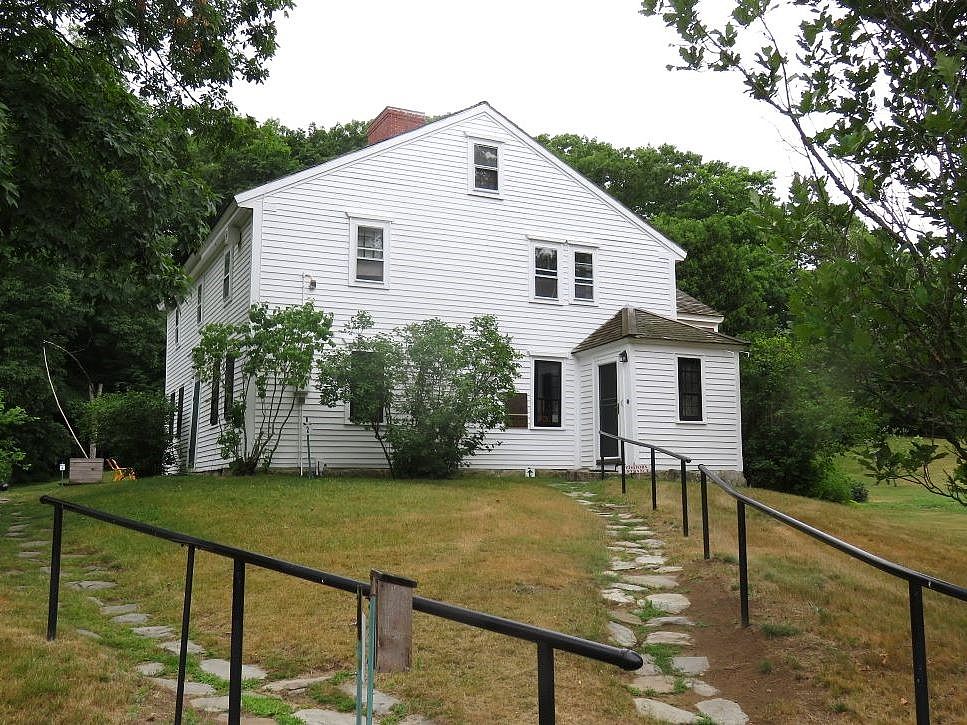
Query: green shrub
point(10, 453)
point(859, 492)
point(833, 486)
point(133, 427)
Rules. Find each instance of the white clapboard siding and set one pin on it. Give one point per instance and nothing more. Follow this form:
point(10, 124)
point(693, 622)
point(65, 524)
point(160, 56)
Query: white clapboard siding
point(179, 369)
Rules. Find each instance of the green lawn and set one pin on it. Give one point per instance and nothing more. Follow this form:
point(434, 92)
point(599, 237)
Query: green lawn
point(513, 547)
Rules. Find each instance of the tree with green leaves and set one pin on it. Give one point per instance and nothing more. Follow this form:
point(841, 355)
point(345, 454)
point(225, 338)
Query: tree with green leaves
point(274, 354)
point(876, 95)
point(96, 206)
point(10, 453)
point(431, 392)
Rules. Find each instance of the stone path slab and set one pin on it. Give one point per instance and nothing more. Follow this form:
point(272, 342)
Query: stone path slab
point(619, 615)
point(621, 635)
point(150, 669)
point(670, 602)
point(175, 647)
point(652, 581)
point(211, 704)
point(679, 639)
point(617, 596)
point(115, 609)
point(702, 689)
point(222, 668)
point(130, 618)
point(650, 560)
point(690, 665)
point(297, 683)
point(87, 633)
point(192, 689)
point(673, 621)
point(657, 684)
point(33, 544)
point(91, 585)
point(723, 712)
point(382, 703)
point(315, 716)
point(662, 712)
point(158, 631)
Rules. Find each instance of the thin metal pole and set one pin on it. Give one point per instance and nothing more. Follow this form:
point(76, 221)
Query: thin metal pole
point(601, 457)
point(743, 565)
point(654, 483)
point(235, 666)
point(545, 684)
point(684, 503)
point(920, 690)
point(54, 573)
point(624, 488)
point(183, 652)
point(705, 545)
point(360, 650)
point(371, 657)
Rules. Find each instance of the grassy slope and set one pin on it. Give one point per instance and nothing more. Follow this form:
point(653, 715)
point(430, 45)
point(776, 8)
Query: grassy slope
point(511, 547)
point(852, 621)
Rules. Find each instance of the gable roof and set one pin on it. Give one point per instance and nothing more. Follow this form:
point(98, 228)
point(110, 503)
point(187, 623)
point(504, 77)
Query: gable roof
point(482, 107)
point(644, 325)
point(688, 305)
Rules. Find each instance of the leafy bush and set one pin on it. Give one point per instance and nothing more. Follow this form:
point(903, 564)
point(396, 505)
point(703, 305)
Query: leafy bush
point(132, 427)
point(858, 492)
point(429, 391)
point(10, 453)
point(833, 485)
point(795, 418)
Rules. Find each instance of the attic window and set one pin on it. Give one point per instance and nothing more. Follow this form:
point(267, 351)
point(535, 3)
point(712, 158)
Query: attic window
point(369, 252)
point(486, 159)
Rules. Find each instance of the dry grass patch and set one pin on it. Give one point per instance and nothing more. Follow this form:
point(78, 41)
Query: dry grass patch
point(516, 548)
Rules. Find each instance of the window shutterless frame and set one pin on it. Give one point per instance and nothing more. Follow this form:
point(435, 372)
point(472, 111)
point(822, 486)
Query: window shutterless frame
point(583, 275)
point(548, 393)
point(691, 408)
point(369, 250)
point(227, 276)
point(485, 167)
point(546, 272)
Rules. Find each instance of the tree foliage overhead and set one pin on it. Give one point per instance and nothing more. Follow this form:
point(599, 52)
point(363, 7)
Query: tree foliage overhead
point(876, 95)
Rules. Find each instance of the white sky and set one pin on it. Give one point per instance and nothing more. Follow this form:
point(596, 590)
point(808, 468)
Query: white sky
point(551, 66)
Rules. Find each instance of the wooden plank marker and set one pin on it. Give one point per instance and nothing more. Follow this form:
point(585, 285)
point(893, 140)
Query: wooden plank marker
point(394, 620)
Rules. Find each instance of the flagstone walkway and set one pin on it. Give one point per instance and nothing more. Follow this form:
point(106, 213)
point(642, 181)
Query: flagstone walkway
point(202, 696)
point(647, 612)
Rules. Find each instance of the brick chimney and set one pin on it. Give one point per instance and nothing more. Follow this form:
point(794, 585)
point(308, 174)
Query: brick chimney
point(392, 122)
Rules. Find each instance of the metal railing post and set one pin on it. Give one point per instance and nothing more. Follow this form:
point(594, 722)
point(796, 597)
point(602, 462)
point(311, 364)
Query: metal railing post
point(684, 503)
point(183, 652)
point(54, 593)
point(235, 667)
point(654, 483)
point(545, 684)
point(624, 488)
point(920, 690)
point(704, 487)
point(743, 565)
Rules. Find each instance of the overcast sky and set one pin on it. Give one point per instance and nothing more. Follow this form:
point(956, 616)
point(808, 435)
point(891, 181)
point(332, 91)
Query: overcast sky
point(551, 66)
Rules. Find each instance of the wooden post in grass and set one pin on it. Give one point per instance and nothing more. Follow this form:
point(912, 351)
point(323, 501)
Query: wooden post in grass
point(394, 621)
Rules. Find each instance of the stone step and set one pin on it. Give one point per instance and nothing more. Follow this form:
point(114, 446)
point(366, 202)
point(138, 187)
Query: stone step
point(664, 713)
point(222, 668)
point(723, 712)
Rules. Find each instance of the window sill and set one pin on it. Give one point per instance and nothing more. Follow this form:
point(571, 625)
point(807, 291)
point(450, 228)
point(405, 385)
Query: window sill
point(545, 301)
point(585, 303)
point(546, 427)
point(485, 194)
point(691, 422)
point(369, 285)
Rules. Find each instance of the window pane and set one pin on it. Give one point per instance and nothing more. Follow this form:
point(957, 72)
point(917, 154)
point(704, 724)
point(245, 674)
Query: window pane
point(583, 291)
point(516, 411)
point(689, 388)
point(369, 238)
point(547, 394)
point(363, 253)
point(369, 269)
point(485, 155)
point(545, 287)
point(485, 178)
point(545, 259)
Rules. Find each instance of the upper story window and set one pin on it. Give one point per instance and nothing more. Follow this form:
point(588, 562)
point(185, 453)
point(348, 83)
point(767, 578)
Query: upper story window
point(547, 393)
point(227, 276)
point(690, 389)
point(369, 251)
point(199, 298)
point(486, 167)
point(545, 272)
point(583, 276)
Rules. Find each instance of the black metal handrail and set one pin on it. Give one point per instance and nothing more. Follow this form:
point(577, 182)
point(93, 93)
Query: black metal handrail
point(683, 460)
point(916, 580)
point(547, 640)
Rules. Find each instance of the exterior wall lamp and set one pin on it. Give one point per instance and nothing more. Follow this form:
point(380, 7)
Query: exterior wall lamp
point(623, 356)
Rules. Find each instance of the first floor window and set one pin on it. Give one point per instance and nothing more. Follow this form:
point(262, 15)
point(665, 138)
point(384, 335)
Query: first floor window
point(229, 386)
point(213, 411)
point(583, 276)
point(689, 388)
point(179, 413)
point(547, 393)
point(545, 272)
point(370, 249)
point(515, 410)
point(367, 395)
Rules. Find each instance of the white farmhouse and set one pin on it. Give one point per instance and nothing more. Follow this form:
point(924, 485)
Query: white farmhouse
point(462, 216)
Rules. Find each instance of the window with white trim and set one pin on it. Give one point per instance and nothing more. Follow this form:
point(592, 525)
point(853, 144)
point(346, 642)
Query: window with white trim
point(690, 389)
point(486, 159)
point(198, 303)
point(547, 393)
point(583, 276)
point(545, 272)
point(227, 276)
point(369, 251)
